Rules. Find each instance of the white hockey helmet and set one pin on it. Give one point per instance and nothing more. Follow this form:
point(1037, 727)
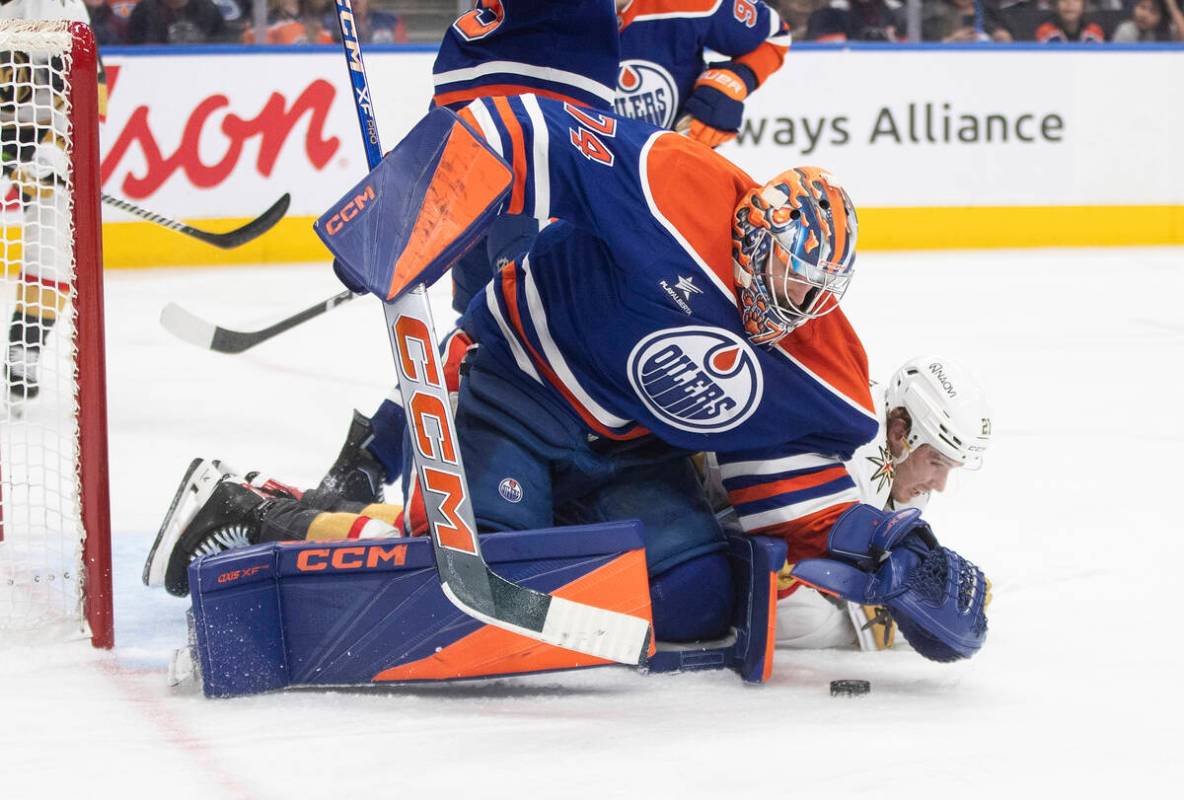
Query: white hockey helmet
point(947, 406)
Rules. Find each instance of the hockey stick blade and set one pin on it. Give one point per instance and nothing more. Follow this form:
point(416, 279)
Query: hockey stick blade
point(188, 327)
point(591, 630)
point(252, 230)
point(226, 241)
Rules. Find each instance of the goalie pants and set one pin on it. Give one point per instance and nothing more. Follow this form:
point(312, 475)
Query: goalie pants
point(531, 464)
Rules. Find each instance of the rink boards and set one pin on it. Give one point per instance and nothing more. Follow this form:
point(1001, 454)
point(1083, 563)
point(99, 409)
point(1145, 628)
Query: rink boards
point(940, 147)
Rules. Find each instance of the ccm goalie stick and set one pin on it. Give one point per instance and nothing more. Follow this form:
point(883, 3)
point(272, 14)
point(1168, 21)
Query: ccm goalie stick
point(188, 327)
point(465, 577)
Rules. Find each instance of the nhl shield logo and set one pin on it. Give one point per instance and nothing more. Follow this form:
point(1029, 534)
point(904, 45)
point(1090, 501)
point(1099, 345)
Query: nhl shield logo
point(698, 379)
point(646, 91)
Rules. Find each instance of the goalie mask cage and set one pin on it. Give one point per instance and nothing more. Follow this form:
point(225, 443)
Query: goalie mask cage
point(55, 559)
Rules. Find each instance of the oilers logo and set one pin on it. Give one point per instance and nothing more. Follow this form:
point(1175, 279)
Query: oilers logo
point(702, 380)
point(510, 490)
point(646, 91)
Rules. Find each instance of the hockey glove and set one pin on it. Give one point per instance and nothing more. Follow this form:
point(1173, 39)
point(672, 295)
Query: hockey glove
point(937, 597)
point(716, 104)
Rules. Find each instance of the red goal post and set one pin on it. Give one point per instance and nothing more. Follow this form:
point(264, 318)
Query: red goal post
point(55, 546)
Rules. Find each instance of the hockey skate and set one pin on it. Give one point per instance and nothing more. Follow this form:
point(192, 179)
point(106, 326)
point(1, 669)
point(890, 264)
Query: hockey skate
point(26, 338)
point(211, 511)
point(185, 665)
point(356, 475)
point(256, 479)
point(874, 627)
point(20, 372)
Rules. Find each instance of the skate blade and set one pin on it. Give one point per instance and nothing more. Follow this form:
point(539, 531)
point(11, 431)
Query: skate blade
point(184, 676)
point(201, 478)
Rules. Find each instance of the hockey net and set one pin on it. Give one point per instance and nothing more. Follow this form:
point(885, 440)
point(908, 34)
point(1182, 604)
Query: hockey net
point(55, 574)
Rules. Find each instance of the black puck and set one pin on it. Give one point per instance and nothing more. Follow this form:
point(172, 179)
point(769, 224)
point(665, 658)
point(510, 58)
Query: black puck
point(849, 688)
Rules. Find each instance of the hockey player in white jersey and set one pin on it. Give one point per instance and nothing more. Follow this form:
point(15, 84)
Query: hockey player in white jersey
point(934, 419)
point(35, 160)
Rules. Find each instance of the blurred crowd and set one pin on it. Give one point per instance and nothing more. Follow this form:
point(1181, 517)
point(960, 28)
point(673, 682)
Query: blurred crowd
point(313, 21)
point(1048, 21)
point(229, 21)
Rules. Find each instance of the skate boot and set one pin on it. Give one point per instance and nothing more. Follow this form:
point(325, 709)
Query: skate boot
point(258, 480)
point(210, 512)
point(185, 664)
point(874, 627)
point(356, 475)
point(26, 337)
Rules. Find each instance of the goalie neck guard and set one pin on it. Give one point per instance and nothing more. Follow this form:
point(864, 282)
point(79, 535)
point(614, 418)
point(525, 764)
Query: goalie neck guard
point(793, 250)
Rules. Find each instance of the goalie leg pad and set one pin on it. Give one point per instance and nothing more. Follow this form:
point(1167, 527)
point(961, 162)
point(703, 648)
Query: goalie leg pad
point(693, 601)
point(358, 613)
point(748, 648)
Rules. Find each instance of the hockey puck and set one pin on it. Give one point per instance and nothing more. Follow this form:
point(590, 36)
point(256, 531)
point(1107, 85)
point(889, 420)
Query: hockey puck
point(849, 688)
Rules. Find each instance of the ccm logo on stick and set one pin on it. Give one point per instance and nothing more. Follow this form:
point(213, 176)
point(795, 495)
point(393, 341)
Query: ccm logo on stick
point(419, 364)
point(349, 211)
point(321, 558)
point(350, 35)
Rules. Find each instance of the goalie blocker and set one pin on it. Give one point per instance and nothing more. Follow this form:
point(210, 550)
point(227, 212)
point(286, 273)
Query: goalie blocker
point(427, 223)
point(372, 613)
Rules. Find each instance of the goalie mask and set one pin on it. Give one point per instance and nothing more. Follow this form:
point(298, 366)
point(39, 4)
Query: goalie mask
point(793, 250)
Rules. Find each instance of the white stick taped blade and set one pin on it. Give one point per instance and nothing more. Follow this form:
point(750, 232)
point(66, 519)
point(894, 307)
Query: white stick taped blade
point(586, 629)
point(186, 326)
point(596, 631)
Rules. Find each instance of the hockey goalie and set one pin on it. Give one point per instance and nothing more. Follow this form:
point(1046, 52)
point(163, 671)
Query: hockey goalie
point(676, 306)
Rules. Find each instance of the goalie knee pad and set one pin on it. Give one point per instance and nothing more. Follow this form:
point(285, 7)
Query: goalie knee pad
point(693, 601)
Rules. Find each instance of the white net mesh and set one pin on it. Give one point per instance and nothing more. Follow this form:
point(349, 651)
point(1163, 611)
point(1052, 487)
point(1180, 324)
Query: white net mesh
point(41, 530)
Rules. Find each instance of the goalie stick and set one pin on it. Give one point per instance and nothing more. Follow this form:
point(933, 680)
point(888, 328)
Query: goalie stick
point(465, 577)
point(188, 327)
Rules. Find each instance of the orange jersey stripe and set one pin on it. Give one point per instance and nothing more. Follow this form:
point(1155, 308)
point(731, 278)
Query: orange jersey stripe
point(806, 536)
point(518, 150)
point(644, 8)
point(761, 491)
point(678, 168)
point(766, 59)
point(830, 348)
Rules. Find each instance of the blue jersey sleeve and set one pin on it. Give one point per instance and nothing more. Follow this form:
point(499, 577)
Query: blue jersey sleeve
point(740, 26)
point(558, 48)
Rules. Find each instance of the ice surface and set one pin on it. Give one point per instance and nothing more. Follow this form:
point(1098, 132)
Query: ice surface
point(1074, 517)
